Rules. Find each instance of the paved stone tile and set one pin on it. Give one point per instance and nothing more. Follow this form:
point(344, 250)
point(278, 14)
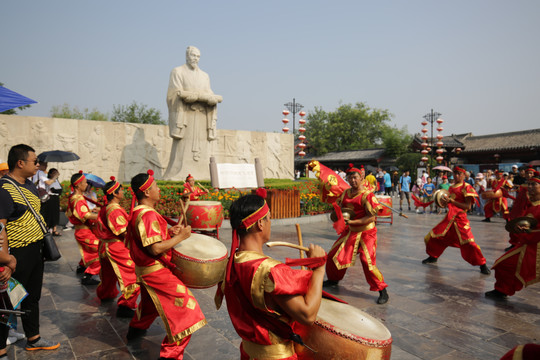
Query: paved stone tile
point(435, 312)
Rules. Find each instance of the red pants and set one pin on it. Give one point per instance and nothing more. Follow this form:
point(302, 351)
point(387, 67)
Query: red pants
point(117, 267)
point(88, 246)
point(368, 257)
point(505, 276)
point(470, 251)
point(495, 206)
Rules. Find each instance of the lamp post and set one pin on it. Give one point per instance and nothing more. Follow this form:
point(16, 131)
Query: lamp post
point(294, 108)
point(431, 118)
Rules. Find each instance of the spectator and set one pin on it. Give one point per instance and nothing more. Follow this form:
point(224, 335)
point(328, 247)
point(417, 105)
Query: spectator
point(480, 187)
point(387, 183)
point(404, 189)
point(50, 209)
point(428, 191)
point(417, 191)
point(380, 182)
point(23, 238)
point(4, 169)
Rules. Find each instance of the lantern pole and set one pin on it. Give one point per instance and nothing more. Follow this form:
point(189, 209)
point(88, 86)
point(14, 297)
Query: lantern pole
point(431, 118)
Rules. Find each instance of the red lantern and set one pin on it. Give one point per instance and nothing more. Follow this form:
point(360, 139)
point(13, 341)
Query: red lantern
point(440, 129)
point(424, 159)
point(301, 138)
point(302, 154)
point(424, 152)
point(302, 146)
point(424, 137)
point(302, 113)
point(440, 121)
point(286, 112)
point(301, 129)
point(439, 151)
point(285, 121)
point(439, 143)
point(424, 123)
point(302, 121)
point(424, 130)
point(285, 129)
point(439, 158)
point(424, 144)
point(458, 150)
point(439, 136)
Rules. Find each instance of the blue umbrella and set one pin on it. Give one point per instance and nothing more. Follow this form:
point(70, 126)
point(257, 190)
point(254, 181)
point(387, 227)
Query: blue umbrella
point(94, 180)
point(10, 99)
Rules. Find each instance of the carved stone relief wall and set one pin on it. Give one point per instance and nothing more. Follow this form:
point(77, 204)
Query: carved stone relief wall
point(124, 149)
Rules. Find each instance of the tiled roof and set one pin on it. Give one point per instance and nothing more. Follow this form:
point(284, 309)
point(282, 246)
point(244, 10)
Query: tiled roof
point(452, 141)
point(355, 155)
point(518, 140)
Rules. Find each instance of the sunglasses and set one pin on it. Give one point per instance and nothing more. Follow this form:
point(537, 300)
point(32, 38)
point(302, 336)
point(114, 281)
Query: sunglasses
point(35, 161)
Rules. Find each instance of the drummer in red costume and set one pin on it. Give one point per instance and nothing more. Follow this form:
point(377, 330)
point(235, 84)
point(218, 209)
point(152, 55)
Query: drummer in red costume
point(192, 191)
point(117, 267)
point(498, 204)
point(84, 220)
point(520, 266)
point(162, 293)
point(521, 204)
point(455, 230)
point(265, 296)
point(359, 237)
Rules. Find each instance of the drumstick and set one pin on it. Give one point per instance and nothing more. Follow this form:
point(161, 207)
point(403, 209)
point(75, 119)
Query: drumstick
point(299, 234)
point(198, 183)
point(399, 212)
point(284, 243)
point(183, 209)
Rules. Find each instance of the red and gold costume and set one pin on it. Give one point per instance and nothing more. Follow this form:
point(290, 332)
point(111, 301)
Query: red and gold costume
point(116, 263)
point(357, 239)
point(520, 266)
point(162, 293)
point(455, 230)
point(78, 214)
point(255, 275)
point(523, 352)
point(498, 204)
point(194, 191)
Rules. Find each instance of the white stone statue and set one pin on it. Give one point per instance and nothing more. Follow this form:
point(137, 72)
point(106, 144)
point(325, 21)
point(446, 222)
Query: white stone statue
point(192, 116)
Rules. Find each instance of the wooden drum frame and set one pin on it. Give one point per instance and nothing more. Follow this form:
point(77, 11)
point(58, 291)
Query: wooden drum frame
point(359, 336)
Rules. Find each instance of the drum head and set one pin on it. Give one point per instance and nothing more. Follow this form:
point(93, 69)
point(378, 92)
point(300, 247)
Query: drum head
point(204, 203)
point(202, 247)
point(352, 321)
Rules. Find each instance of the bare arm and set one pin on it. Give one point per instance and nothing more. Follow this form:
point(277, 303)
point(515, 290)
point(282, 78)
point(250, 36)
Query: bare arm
point(164, 246)
point(7, 261)
point(304, 309)
point(362, 221)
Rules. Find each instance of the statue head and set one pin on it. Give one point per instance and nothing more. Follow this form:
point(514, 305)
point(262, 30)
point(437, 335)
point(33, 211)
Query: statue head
point(192, 56)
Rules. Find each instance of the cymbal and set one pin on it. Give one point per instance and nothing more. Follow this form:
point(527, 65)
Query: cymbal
point(527, 222)
point(347, 214)
point(438, 196)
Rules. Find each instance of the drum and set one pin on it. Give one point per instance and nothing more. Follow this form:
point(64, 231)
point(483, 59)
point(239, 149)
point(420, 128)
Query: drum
point(200, 260)
point(387, 200)
point(204, 215)
point(342, 331)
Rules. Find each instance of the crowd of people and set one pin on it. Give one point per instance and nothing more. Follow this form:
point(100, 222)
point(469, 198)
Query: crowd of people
point(131, 252)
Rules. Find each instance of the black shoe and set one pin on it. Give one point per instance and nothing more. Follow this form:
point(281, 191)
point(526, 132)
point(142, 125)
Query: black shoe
point(134, 333)
point(87, 279)
point(80, 269)
point(124, 312)
point(429, 260)
point(383, 297)
point(509, 248)
point(330, 283)
point(484, 269)
point(486, 220)
point(496, 294)
point(409, 208)
point(400, 209)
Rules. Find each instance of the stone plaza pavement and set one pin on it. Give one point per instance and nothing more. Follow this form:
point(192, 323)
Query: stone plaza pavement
point(435, 312)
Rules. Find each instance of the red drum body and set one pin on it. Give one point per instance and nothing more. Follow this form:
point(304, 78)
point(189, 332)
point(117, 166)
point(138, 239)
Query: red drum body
point(200, 260)
point(486, 195)
point(204, 215)
point(344, 332)
point(385, 214)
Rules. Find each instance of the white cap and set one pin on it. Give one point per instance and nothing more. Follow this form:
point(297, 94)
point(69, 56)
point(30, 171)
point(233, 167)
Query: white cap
point(514, 166)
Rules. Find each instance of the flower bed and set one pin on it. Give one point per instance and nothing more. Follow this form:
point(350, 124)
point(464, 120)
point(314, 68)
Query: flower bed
point(171, 193)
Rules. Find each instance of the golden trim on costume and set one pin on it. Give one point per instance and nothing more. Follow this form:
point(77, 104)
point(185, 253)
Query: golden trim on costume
point(274, 351)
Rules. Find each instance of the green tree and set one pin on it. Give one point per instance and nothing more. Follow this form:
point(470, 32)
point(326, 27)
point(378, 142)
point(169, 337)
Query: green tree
point(396, 141)
point(13, 111)
point(66, 112)
point(136, 113)
point(348, 128)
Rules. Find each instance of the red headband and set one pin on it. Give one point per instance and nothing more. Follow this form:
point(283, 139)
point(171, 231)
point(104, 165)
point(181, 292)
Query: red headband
point(79, 179)
point(457, 168)
point(189, 177)
point(535, 179)
point(115, 186)
point(352, 169)
point(148, 181)
point(250, 220)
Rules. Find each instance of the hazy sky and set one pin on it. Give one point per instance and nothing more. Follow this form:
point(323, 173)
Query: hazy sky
point(476, 62)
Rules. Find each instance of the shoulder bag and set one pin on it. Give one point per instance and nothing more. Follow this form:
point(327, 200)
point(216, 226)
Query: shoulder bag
point(49, 251)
